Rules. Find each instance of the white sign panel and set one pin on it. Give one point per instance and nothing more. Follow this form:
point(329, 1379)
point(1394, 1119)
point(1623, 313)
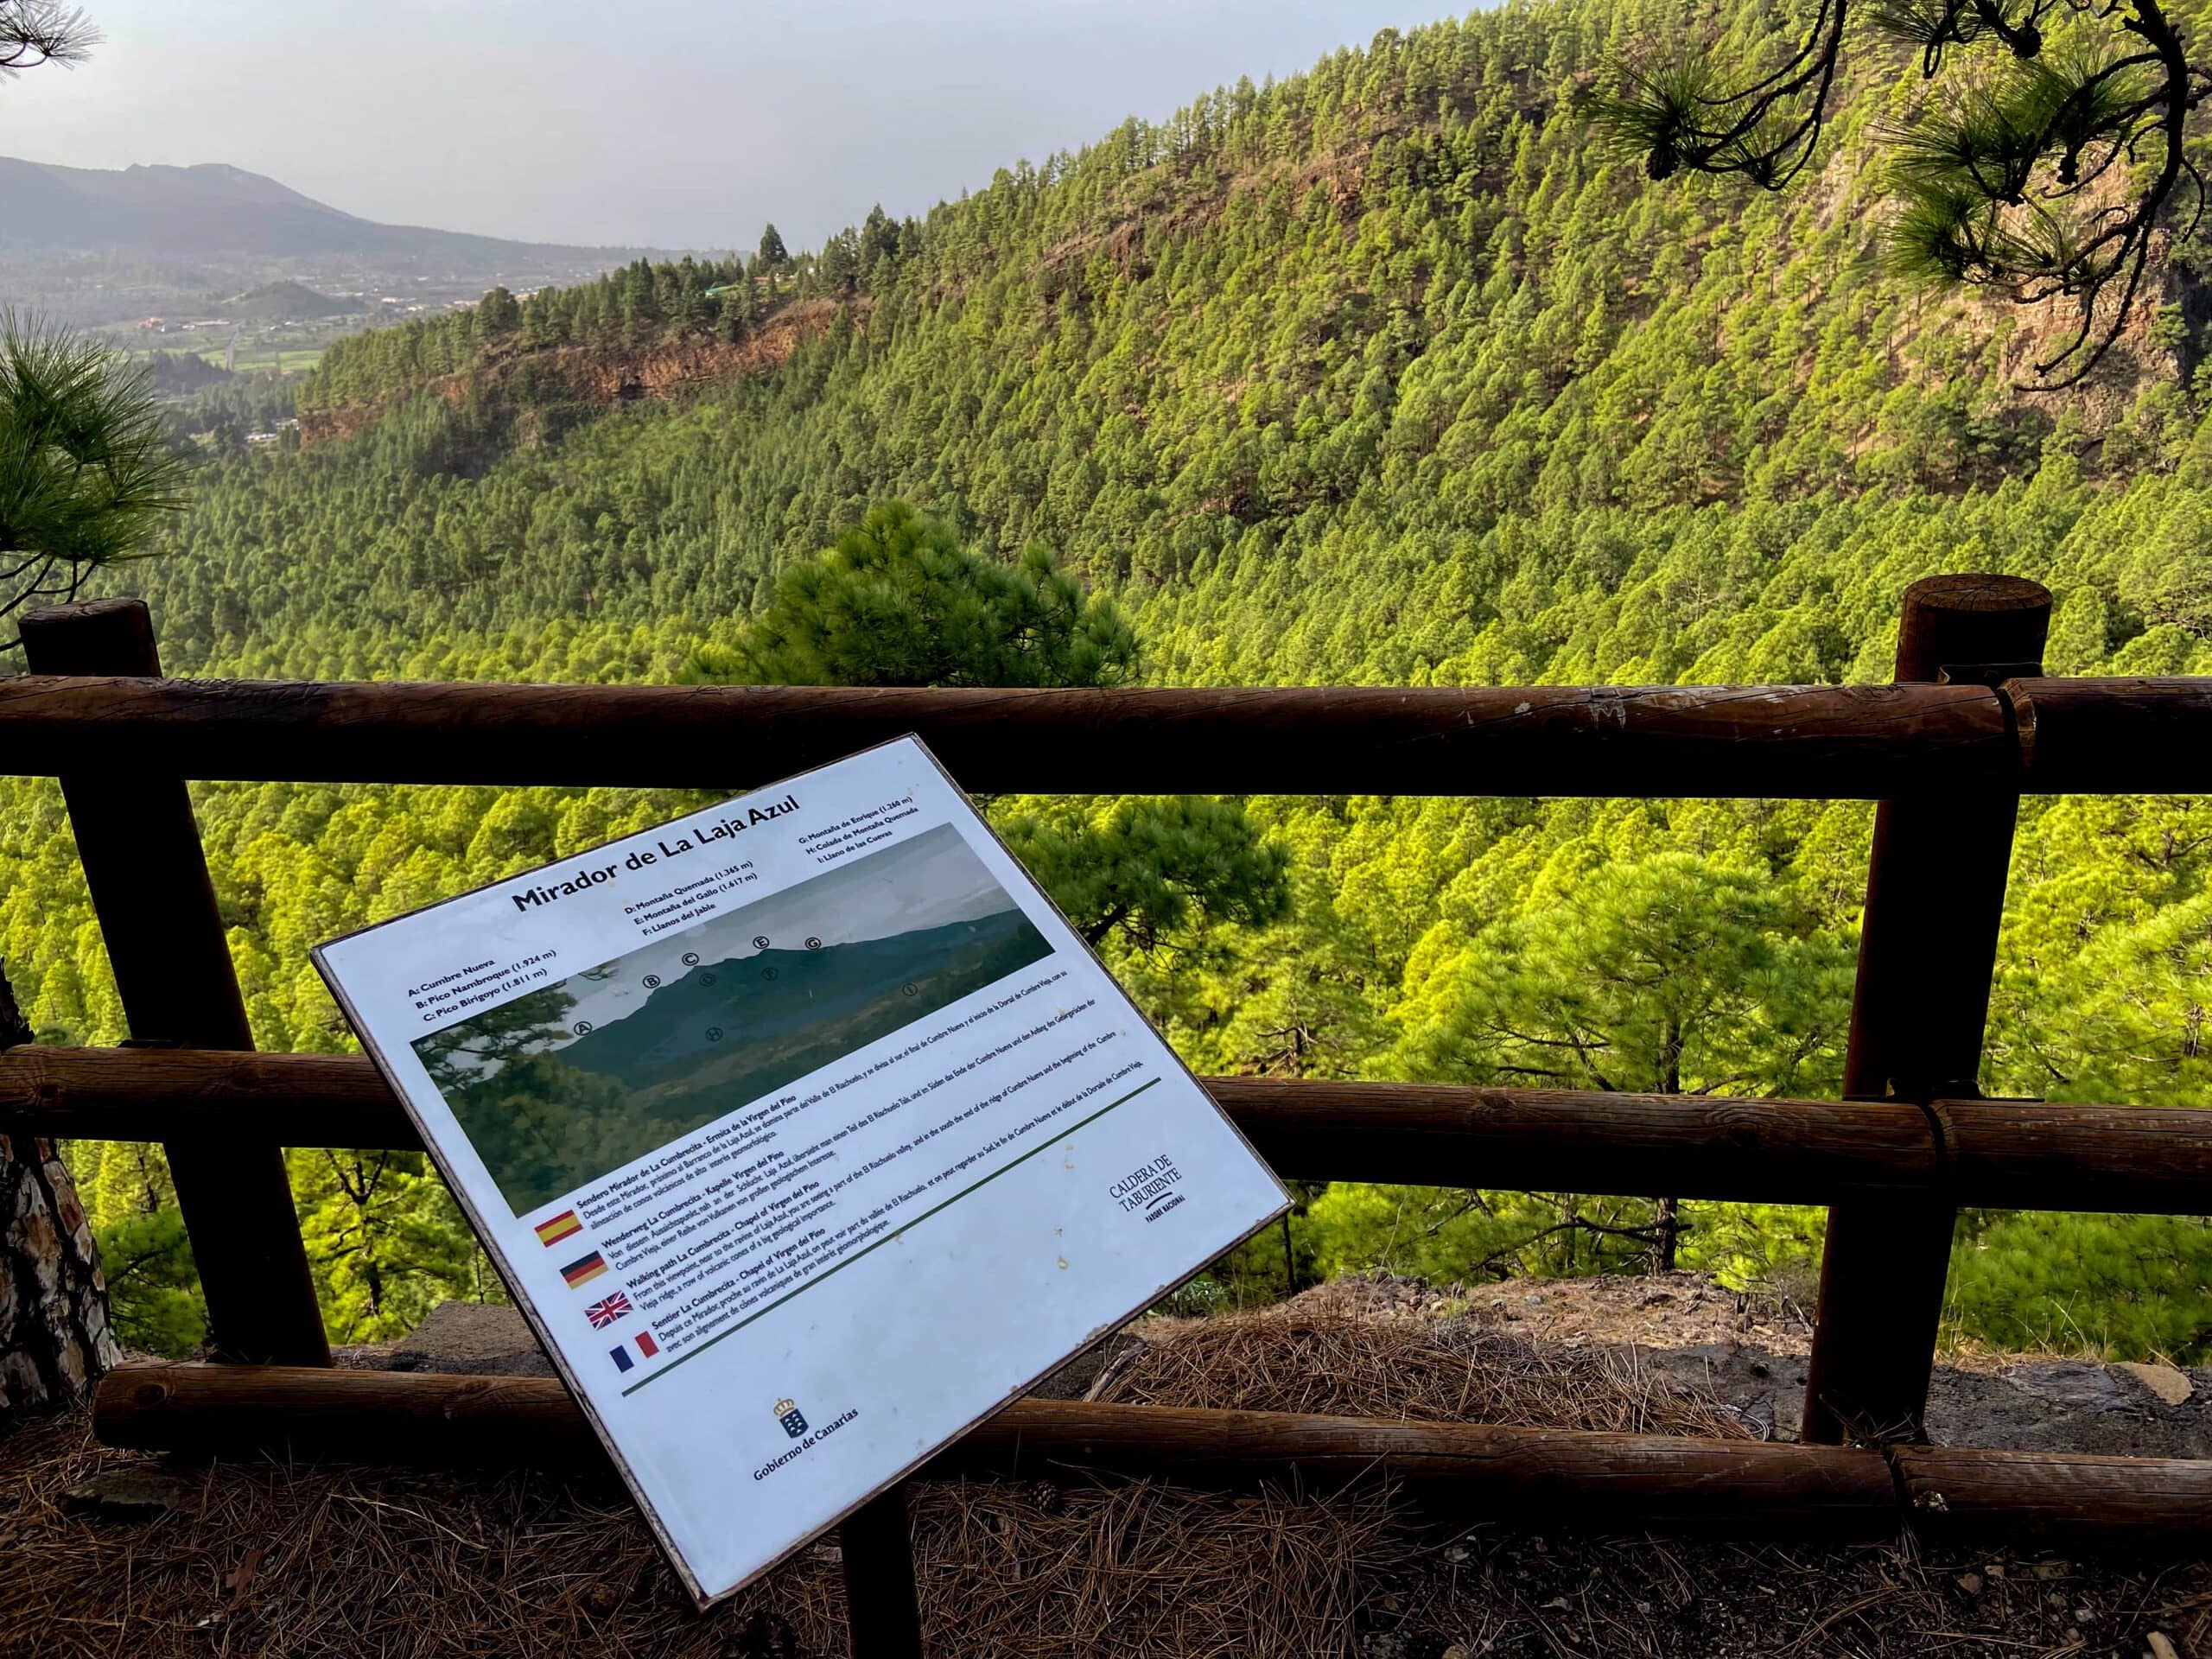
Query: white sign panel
point(806, 1132)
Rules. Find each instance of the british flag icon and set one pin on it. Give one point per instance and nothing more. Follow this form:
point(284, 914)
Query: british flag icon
point(614, 1310)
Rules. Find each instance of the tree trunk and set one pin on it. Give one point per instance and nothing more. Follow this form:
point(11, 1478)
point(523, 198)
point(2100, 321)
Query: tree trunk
point(54, 1339)
point(1666, 1213)
point(1666, 1220)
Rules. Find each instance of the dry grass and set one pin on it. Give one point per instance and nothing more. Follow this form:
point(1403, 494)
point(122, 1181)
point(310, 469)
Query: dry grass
point(266, 1560)
point(1408, 1370)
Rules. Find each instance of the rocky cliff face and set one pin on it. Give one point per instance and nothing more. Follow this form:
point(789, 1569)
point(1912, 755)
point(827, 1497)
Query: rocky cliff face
point(601, 375)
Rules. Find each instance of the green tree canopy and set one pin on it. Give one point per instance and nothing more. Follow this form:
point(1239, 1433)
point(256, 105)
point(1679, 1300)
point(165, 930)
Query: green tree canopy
point(498, 312)
point(2050, 170)
point(85, 470)
point(899, 601)
point(1669, 975)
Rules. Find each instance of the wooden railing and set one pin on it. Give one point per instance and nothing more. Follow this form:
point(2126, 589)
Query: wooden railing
point(1947, 751)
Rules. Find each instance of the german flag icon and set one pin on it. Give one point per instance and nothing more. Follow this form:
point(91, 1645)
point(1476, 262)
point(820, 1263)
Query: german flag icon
point(564, 1225)
point(583, 1270)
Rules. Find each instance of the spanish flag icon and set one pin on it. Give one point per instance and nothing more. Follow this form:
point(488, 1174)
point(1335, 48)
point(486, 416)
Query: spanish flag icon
point(563, 1225)
point(583, 1269)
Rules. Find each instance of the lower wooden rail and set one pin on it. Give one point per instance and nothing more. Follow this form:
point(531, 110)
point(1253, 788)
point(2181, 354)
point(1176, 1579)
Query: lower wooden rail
point(1999, 1153)
point(1610, 1480)
point(1602, 1482)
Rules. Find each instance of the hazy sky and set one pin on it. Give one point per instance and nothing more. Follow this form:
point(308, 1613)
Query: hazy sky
point(677, 122)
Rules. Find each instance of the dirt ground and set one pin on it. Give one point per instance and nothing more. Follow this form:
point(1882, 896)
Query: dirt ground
point(110, 1553)
point(1750, 1355)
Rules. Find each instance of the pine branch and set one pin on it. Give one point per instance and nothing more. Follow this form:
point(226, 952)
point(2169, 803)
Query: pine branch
point(37, 32)
point(1994, 184)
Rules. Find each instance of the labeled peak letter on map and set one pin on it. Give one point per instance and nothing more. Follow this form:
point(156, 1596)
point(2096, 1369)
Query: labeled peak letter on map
point(806, 1132)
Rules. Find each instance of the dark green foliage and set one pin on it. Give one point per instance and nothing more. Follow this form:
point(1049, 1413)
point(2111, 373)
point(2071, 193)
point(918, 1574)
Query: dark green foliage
point(153, 1287)
point(1152, 870)
point(2049, 170)
point(900, 601)
point(180, 373)
point(85, 471)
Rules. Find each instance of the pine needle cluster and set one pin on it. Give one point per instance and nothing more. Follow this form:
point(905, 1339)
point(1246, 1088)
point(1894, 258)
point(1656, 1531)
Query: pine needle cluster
point(2049, 167)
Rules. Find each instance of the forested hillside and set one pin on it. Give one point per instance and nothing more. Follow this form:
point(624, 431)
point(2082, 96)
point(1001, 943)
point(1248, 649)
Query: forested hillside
point(1385, 373)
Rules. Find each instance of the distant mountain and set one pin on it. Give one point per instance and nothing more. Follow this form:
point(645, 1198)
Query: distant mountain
point(211, 210)
point(286, 302)
point(177, 374)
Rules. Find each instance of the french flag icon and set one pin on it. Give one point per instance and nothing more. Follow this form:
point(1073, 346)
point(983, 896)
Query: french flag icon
point(646, 1346)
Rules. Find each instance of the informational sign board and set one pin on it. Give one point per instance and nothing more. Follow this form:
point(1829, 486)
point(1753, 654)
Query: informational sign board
point(805, 1131)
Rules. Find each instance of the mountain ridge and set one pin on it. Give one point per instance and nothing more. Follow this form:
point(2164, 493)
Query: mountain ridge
point(214, 208)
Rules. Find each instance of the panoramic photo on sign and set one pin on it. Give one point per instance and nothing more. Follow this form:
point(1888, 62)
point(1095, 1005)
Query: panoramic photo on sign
point(806, 1132)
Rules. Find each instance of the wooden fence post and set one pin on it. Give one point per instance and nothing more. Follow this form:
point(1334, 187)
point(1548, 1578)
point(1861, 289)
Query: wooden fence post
point(884, 1614)
point(142, 860)
point(1927, 949)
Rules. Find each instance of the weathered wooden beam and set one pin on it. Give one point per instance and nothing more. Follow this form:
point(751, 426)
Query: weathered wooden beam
point(1597, 1481)
point(1990, 1153)
point(149, 1094)
point(1974, 1154)
point(2117, 736)
point(1816, 741)
point(1605, 1481)
point(139, 844)
point(1927, 949)
point(2071, 1497)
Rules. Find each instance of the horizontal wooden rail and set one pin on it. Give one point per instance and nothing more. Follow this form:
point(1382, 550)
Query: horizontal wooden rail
point(1819, 741)
point(1997, 1153)
point(1807, 742)
point(2114, 736)
point(1601, 1482)
point(1611, 1480)
point(1978, 1154)
point(1956, 1493)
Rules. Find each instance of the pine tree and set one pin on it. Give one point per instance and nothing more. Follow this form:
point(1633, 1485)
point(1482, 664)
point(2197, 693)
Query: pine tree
point(498, 313)
point(86, 473)
point(2007, 182)
point(898, 600)
point(1668, 975)
point(54, 1336)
